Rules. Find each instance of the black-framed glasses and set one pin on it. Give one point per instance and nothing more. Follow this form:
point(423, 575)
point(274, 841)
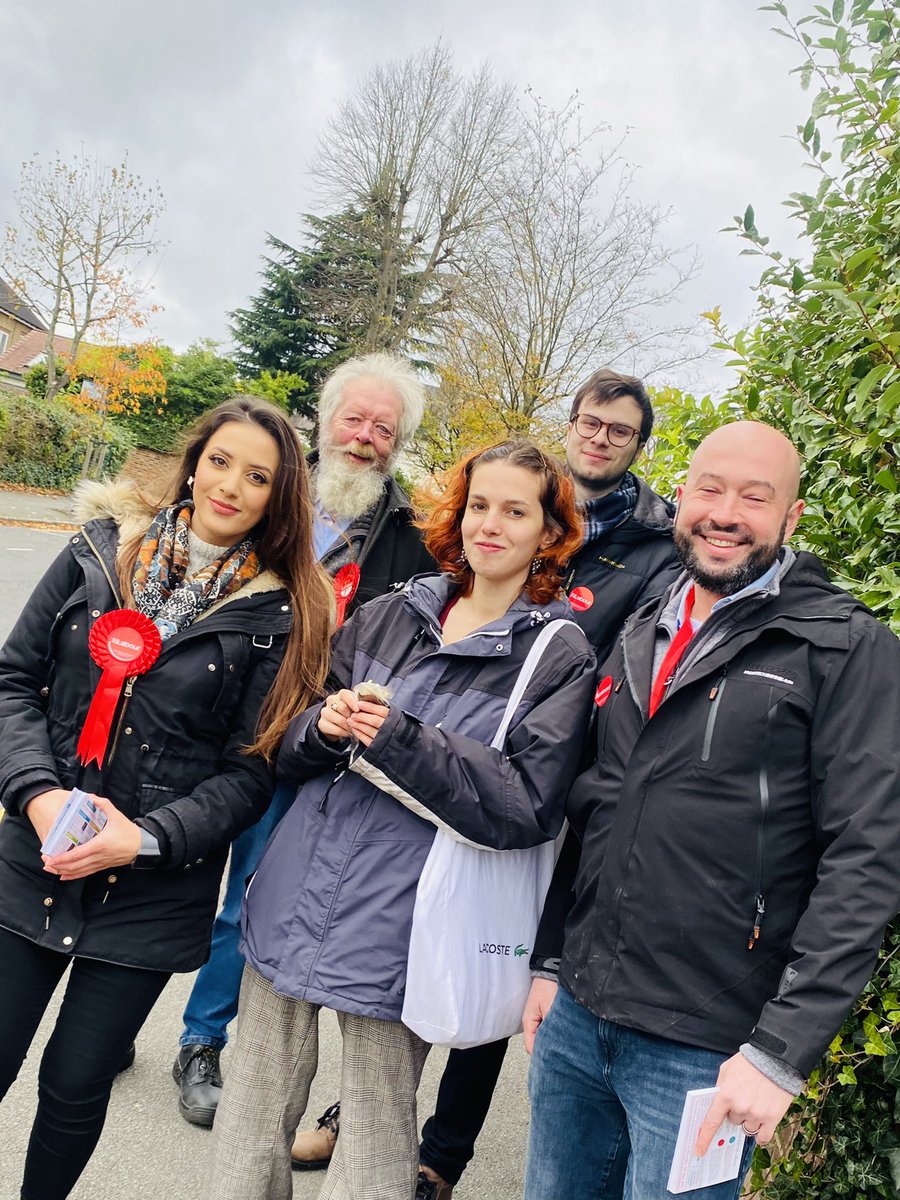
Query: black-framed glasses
point(587, 426)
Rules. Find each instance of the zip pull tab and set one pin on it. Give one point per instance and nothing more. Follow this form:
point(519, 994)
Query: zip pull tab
point(129, 685)
point(717, 686)
point(757, 922)
point(324, 799)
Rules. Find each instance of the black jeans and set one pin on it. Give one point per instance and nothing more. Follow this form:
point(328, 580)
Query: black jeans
point(464, 1097)
point(104, 1007)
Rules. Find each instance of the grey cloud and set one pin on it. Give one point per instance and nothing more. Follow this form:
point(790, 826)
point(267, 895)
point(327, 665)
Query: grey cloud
point(222, 103)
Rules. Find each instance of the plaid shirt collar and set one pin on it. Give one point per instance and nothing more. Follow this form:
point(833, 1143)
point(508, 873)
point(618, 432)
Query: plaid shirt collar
point(607, 512)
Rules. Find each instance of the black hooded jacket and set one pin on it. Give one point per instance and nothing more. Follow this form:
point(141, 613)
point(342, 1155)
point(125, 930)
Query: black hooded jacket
point(764, 792)
point(176, 762)
point(624, 568)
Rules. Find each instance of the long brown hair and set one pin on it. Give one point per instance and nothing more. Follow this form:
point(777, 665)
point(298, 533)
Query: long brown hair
point(284, 545)
point(443, 527)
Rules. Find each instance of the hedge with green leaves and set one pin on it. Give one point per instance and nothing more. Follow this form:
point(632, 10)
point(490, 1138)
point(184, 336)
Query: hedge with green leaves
point(43, 444)
point(823, 364)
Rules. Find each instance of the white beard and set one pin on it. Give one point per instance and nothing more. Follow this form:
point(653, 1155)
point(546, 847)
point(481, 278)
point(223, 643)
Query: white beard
point(345, 490)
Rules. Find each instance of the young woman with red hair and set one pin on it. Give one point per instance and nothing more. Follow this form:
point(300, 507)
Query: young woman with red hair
point(328, 914)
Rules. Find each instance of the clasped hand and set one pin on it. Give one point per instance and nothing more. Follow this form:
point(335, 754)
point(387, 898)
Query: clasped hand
point(344, 715)
point(115, 845)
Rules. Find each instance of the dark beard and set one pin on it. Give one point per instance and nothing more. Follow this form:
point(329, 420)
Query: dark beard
point(730, 580)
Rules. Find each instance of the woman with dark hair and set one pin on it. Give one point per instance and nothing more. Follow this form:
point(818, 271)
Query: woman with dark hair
point(328, 914)
point(223, 582)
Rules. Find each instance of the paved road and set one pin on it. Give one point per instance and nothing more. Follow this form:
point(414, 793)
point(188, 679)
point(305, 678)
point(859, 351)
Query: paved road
point(25, 555)
point(147, 1151)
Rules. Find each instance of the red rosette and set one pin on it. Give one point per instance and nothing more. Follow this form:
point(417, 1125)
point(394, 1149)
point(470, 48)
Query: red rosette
point(123, 643)
point(346, 581)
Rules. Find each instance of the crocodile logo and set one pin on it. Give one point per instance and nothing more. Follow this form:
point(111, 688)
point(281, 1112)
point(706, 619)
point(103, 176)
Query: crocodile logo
point(520, 950)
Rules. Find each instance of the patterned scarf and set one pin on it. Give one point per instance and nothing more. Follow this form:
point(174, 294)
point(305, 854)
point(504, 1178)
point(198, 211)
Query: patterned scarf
point(160, 590)
point(606, 513)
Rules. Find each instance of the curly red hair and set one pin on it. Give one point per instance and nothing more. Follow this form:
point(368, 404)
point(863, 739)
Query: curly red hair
point(443, 536)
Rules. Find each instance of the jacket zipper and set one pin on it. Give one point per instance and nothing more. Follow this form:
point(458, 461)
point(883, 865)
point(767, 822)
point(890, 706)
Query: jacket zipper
point(609, 706)
point(761, 829)
point(324, 800)
point(129, 688)
point(715, 696)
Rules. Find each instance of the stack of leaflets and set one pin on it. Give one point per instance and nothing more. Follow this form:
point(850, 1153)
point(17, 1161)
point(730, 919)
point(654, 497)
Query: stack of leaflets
point(79, 820)
point(723, 1158)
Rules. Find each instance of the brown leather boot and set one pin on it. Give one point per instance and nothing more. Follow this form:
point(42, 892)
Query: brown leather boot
point(313, 1148)
point(430, 1186)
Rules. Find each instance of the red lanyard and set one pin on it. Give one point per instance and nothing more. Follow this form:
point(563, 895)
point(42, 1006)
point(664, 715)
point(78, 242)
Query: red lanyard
point(673, 655)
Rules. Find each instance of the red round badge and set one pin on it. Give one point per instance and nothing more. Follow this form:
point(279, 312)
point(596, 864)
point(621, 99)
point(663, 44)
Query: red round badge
point(581, 598)
point(124, 644)
point(603, 691)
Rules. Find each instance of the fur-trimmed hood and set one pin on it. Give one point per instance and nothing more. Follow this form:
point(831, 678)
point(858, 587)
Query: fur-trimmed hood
point(120, 500)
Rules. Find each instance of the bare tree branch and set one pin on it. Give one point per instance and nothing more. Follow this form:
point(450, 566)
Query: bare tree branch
point(79, 225)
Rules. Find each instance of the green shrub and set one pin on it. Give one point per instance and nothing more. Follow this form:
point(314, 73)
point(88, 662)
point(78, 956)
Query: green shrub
point(43, 444)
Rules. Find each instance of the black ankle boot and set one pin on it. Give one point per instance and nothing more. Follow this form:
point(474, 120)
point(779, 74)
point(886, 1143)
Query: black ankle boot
point(196, 1071)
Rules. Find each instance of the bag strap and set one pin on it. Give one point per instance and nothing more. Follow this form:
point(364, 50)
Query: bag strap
point(527, 670)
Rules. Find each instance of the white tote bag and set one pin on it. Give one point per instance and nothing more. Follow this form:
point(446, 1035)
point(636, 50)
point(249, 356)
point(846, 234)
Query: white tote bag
point(474, 922)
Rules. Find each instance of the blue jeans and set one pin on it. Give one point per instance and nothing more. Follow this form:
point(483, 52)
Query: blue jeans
point(606, 1104)
point(213, 1002)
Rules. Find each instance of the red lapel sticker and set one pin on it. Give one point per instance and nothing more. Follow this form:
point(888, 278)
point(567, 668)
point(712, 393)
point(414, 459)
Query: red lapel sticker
point(581, 598)
point(602, 693)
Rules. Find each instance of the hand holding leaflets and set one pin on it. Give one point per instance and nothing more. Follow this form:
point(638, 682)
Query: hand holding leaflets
point(77, 822)
point(89, 834)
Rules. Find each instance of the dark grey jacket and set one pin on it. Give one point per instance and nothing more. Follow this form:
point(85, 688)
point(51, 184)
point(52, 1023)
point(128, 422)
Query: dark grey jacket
point(765, 790)
point(175, 764)
point(328, 914)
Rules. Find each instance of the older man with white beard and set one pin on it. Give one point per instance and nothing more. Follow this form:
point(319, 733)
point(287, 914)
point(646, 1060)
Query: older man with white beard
point(369, 409)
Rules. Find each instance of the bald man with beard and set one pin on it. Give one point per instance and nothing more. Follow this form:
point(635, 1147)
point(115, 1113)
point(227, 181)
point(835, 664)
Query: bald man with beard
point(740, 836)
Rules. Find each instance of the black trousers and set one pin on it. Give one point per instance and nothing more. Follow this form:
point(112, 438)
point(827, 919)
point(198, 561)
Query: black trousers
point(103, 1008)
point(464, 1097)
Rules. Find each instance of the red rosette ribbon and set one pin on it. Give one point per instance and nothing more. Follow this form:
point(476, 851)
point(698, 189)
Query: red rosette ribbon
point(346, 581)
point(123, 643)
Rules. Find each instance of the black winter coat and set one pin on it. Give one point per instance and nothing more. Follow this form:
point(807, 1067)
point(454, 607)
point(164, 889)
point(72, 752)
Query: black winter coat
point(633, 563)
point(174, 763)
point(624, 569)
point(770, 772)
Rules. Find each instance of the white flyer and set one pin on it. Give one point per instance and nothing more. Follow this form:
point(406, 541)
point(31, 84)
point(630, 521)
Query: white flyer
point(78, 821)
point(723, 1158)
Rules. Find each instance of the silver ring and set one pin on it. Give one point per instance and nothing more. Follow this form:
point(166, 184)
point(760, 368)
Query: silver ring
point(750, 1132)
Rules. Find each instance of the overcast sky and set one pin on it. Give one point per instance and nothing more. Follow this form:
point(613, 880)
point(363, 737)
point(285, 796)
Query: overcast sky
point(222, 103)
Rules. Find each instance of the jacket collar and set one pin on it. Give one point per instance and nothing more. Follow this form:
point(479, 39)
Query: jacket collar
point(652, 511)
point(805, 604)
point(427, 596)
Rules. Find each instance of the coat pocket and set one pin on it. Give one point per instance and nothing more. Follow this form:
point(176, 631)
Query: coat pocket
point(154, 795)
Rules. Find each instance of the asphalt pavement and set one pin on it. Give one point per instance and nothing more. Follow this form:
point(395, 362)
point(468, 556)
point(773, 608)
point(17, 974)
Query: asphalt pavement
point(147, 1151)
